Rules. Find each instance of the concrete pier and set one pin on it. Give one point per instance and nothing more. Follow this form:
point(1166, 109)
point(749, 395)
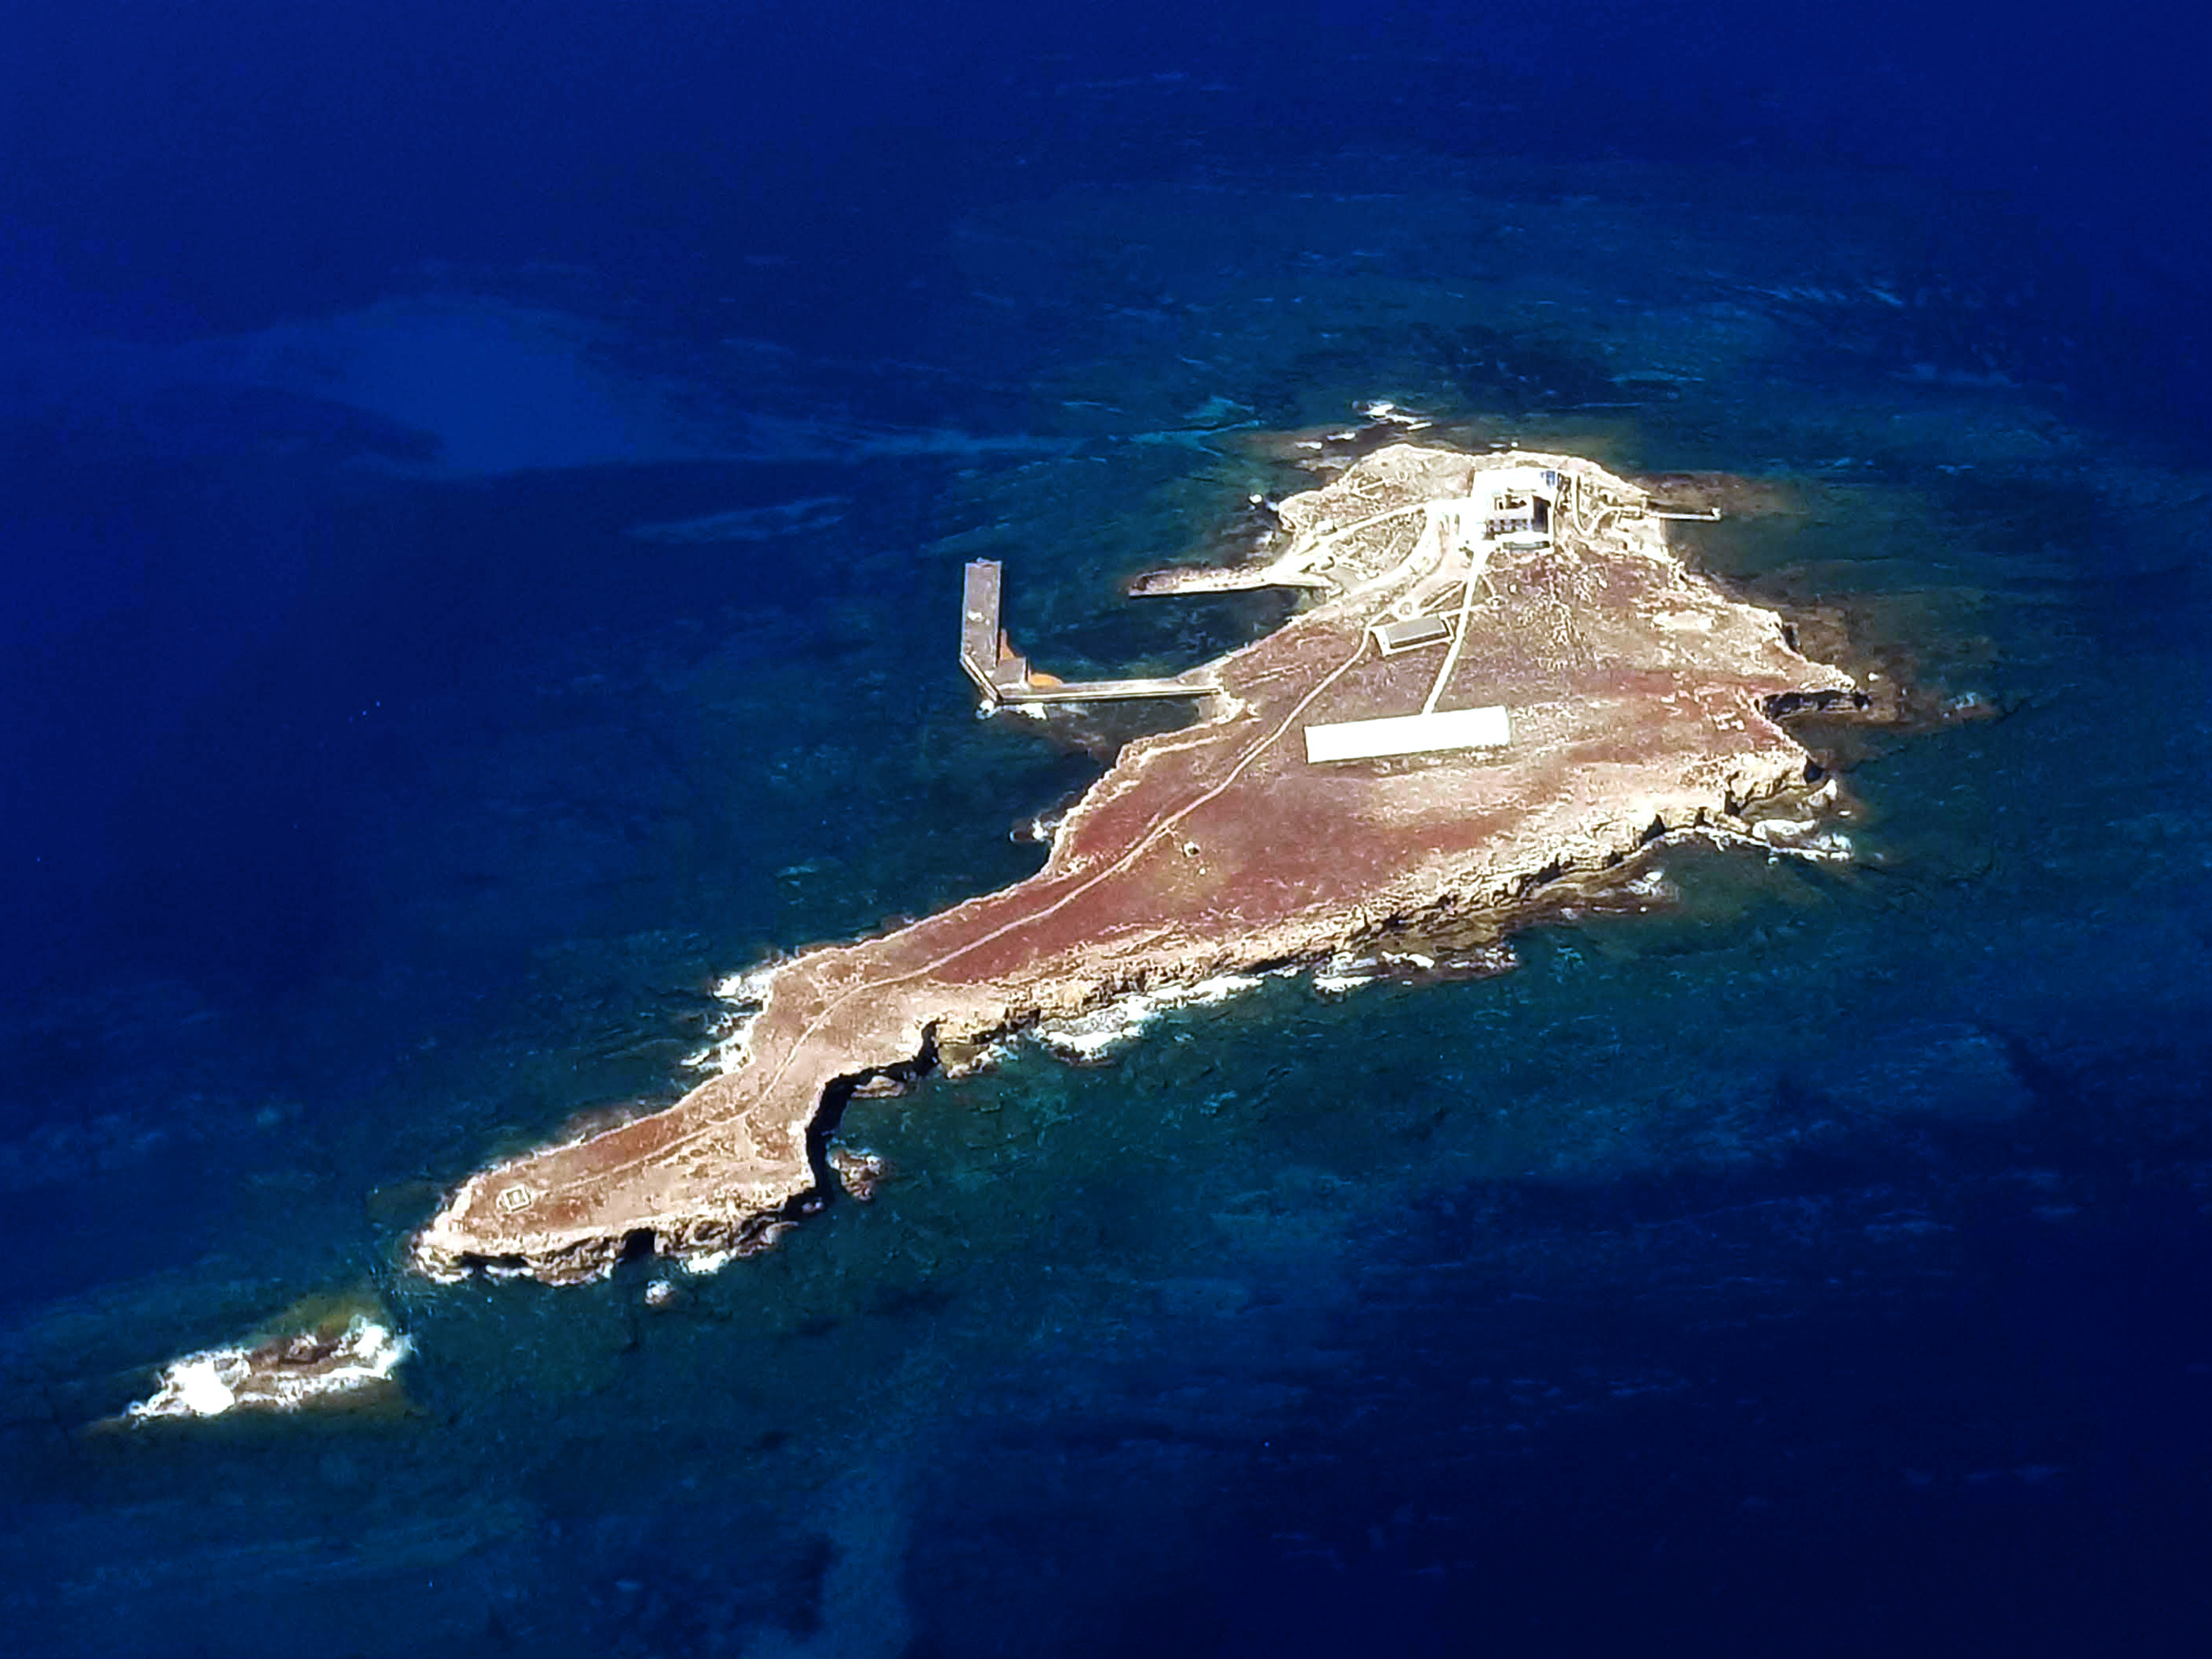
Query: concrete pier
point(1004, 676)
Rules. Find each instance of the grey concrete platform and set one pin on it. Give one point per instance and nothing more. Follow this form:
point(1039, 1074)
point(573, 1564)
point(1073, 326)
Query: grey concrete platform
point(1005, 677)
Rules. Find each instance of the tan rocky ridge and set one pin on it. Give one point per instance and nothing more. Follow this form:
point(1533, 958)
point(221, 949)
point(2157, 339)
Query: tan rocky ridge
point(1635, 699)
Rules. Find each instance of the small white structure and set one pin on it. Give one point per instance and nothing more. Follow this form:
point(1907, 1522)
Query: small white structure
point(1519, 503)
point(1391, 638)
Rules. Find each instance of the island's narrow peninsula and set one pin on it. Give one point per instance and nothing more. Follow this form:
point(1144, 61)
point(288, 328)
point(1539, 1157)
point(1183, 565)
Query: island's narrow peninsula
point(1505, 680)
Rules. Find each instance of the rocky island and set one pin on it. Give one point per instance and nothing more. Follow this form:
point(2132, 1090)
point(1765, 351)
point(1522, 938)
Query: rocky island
point(1504, 681)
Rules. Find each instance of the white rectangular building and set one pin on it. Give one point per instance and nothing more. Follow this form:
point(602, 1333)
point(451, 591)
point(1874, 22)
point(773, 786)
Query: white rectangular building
point(1409, 734)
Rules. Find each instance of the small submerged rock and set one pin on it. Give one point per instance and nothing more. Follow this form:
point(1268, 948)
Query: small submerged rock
point(321, 1353)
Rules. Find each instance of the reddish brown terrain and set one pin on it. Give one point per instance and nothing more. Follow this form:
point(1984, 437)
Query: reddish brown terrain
point(1641, 699)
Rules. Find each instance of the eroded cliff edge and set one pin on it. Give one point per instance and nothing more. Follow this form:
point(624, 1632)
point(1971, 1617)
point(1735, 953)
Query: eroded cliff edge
point(1639, 699)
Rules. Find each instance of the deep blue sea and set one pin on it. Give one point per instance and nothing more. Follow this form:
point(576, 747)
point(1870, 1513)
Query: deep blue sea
point(482, 497)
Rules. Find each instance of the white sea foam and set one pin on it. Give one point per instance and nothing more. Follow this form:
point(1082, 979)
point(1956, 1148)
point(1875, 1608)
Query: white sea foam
point(1796, 838)
point(1805, 838)
point(1344, 972)
point(748, 986)
point(220, 1380)
point(1382, 410)
point(196, 1388)
point(1092, 1035)
point(729, 1035)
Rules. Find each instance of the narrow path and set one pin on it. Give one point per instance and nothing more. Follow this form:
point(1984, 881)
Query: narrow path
point(1152, 834)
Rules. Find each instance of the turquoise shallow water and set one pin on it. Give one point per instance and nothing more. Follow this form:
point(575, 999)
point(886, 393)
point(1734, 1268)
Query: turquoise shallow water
point(1827, 1228)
